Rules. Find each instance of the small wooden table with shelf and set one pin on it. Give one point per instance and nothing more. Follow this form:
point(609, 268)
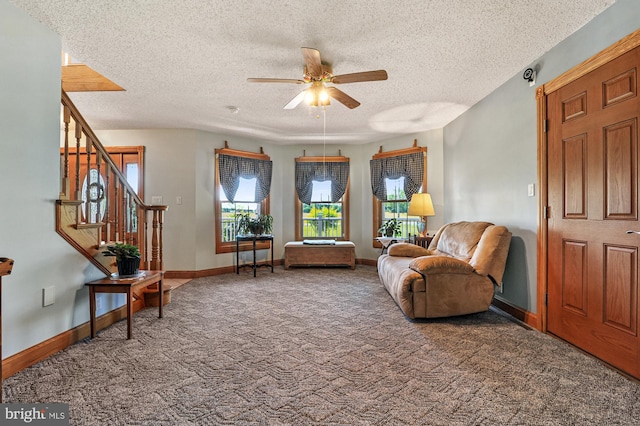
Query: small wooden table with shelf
point(126, 285)
point(6, 265)
point(387, 241)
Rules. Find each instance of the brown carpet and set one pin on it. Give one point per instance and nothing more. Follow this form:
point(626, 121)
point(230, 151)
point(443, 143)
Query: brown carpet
point(322, 346)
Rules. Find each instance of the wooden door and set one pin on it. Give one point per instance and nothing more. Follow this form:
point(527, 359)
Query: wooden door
point(96, 185)
point(593, 202)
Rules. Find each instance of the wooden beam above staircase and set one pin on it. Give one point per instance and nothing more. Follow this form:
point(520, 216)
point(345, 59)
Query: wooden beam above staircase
point(81, 78)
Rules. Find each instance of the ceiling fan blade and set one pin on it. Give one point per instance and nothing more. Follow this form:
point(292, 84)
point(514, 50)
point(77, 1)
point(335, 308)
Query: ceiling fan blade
point(275, 80)
point(312, 60)
point(360, 76)
point(296, 100)
point(342, 97)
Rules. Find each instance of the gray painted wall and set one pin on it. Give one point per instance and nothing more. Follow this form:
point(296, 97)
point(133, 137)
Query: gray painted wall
point(29, 178)
point(180, 163)
point(490, 151)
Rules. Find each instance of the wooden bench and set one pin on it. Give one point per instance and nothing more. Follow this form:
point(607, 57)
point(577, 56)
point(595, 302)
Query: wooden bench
point(342, 253)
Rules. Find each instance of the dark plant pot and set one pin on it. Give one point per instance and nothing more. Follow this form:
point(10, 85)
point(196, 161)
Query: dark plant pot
point(256, 229)
point(128, 266)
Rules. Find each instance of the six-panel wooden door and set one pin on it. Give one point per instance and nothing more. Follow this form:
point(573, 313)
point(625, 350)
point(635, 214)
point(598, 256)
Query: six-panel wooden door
point(593, 202)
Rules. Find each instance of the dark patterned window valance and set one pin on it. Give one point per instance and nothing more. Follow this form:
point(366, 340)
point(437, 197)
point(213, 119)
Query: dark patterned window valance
point(409, 166)
point(335, 171)
point(232, 168)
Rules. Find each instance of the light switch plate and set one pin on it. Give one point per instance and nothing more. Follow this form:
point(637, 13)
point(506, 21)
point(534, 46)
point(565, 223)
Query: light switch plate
point(156, 200)
point(531, 189)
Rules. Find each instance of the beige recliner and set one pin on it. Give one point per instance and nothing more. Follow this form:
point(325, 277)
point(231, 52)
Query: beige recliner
point(454, 276)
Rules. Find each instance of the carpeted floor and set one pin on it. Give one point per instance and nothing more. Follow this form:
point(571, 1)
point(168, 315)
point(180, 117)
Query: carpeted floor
point(322, 346)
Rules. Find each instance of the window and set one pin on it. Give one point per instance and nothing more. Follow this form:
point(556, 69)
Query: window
point(244, 202)
point(322, 202)
point(247, 178)
point(395, 177)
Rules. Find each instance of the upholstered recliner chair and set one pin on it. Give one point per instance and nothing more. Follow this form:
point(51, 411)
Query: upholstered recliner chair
point(454, 276)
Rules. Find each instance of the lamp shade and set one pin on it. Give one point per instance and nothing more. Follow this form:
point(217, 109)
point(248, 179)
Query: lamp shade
point(421, 205)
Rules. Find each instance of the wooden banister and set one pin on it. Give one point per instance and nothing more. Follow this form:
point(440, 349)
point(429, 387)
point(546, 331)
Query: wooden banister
point(108, 203)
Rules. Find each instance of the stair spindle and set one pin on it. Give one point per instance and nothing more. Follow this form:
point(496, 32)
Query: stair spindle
point(99, 189)
point(64, 193)
point(77, 177)
point(116, 210)
point(107, 210)
point(87, 203)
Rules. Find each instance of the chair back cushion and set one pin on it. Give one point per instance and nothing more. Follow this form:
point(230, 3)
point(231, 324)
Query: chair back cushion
point(490, 257)
point(460, 239)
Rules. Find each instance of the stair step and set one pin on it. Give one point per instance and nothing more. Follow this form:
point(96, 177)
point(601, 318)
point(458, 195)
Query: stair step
point(69, 202)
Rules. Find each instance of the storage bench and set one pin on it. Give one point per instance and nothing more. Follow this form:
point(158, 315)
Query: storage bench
point(342, 253)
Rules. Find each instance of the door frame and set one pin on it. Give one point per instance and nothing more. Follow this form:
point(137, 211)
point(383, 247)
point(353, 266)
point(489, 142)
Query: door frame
point(617, 49)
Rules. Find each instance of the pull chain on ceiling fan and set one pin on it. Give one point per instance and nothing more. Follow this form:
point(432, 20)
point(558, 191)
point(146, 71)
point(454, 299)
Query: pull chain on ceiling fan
point(316, 75)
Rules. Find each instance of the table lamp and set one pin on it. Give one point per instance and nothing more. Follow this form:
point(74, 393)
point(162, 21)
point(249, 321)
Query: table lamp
point(421, 205)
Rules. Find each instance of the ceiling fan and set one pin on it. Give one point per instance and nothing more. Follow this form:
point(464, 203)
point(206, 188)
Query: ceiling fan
point(316, 75)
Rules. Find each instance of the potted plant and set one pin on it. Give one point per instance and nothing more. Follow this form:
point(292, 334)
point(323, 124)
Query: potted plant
point(127, 258)
point(254, 225)
point(390, 228)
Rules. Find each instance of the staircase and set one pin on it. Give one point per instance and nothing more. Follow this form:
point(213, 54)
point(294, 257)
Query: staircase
point(97, 206)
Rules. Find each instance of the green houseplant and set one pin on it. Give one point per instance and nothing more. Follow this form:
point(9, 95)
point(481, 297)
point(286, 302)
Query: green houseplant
point(390, 228)
point(127, 258)
point(248, 224)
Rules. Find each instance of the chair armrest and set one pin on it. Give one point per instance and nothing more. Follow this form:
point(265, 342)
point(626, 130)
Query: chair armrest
point(431, 265)
point(407, 250)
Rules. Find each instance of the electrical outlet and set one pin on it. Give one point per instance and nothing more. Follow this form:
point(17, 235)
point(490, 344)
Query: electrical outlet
point(48, 296)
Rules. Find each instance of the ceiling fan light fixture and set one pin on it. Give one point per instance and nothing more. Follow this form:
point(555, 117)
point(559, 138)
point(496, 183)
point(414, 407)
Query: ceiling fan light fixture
point(324, 97)
point(310, 98)
point(316, 74)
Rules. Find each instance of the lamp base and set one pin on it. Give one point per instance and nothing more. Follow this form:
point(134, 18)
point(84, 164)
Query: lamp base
point(422, 227)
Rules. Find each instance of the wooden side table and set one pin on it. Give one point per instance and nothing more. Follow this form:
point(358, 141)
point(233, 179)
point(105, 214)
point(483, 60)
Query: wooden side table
point(387, 241)
point(421, 241)
point(125, 285)
point(253, 238)
point(6, 265)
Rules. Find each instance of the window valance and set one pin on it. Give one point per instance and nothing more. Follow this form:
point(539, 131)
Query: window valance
point(335, 171)
point(409, 166)
point(232, 168)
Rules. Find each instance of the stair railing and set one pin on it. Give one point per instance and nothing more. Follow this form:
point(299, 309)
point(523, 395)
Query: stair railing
point(104, 200)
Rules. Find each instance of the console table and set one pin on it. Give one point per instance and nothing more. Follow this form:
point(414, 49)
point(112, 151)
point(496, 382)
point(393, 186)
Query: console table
point(126, 285)
point(253, 239)
point(6, 265)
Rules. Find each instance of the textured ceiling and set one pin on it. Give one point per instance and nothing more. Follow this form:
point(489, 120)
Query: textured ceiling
point(185, 63)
